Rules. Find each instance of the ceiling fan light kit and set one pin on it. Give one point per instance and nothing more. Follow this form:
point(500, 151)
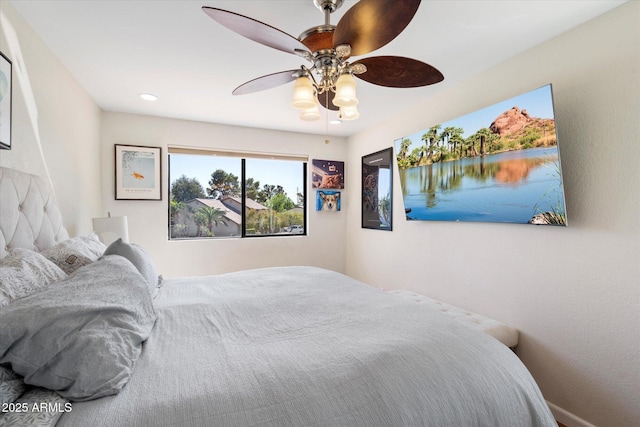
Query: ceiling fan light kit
point(348, 113)
point(303, 94)
point(329, 81)
point(345, 89)
point(312, 113)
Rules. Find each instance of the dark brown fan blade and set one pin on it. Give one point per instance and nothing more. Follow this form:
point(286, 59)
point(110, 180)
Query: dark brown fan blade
point(371, 24)
point(256, 30)
point(398, 71)
point(326, 100)
point(265, 82)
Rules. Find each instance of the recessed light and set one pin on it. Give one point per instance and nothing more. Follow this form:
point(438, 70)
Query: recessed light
point(148, 97)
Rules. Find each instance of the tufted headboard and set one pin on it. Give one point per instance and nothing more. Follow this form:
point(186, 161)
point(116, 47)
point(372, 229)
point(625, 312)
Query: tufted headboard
point(29, 216)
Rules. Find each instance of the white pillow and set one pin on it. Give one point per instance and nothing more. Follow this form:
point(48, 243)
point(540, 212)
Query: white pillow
point(71, 254)
point(23, 272)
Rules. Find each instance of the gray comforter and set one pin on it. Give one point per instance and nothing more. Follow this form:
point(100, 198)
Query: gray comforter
point(306, 346)
point(80, 336)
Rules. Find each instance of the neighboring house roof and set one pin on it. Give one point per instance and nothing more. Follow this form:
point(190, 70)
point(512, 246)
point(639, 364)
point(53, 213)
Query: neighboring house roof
point(231, 206)
point(251, 204)
point(212, 203)
point(215, 203)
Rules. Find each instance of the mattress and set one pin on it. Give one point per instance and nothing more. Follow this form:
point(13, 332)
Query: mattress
point(297, 346)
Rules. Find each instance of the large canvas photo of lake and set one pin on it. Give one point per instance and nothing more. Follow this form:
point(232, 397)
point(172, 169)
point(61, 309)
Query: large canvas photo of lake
point(498, 164)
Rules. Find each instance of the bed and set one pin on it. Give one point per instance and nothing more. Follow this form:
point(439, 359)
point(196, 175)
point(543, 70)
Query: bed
point(100, 341)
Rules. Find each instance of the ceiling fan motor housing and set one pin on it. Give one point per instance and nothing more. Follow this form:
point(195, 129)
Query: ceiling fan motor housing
point(321, 37)
point(318, 38)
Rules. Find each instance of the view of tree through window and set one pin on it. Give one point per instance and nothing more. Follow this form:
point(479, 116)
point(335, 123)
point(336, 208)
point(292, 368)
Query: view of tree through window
point(206, 196)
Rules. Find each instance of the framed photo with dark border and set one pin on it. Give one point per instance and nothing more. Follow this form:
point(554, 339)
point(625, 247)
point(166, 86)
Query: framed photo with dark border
point(377, 190)
point(138, 172)
point(5, 102)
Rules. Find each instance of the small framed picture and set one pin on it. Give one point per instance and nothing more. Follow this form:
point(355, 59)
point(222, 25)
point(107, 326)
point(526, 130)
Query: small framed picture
point(5, 102)
point(328, 200)
point(327, 174)
point(138, 172)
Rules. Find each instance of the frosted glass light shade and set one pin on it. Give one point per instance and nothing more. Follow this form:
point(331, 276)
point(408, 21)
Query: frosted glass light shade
point(311, 114)
point(111, 228)
point(345, 91)
point(349, 113)
point(303, 94)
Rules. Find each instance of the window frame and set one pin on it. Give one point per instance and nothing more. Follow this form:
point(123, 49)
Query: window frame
point(243, 155)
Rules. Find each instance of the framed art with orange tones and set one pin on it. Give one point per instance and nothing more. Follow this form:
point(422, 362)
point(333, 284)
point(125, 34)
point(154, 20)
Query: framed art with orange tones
point(138, 172)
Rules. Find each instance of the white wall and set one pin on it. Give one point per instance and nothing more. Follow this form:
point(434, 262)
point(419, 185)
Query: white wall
point(573, 292)
point(53, 118)
point(324, 246)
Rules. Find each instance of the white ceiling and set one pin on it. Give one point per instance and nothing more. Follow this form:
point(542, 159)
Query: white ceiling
point(118, 49)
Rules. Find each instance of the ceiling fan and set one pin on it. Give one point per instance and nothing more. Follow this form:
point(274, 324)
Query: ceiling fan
point(367, 26)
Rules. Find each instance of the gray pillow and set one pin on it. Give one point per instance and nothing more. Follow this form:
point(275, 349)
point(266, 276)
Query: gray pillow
point(82, 336)
point(138, 257)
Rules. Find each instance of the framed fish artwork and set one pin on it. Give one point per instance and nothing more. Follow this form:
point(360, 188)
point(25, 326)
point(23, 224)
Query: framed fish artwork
point(138, 172)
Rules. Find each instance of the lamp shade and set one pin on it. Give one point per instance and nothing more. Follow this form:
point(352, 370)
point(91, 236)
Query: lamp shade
point(349, 113)
point(303, 94)
point(345, 91)
point(312, 113)
point(111, 228)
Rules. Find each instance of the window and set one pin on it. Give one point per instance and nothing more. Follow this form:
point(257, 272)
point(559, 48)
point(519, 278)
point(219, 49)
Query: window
point(217, 194)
